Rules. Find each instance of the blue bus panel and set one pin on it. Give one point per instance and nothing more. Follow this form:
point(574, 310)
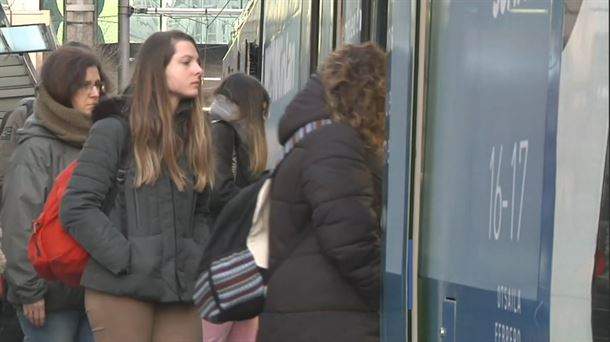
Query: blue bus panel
point(488, 163)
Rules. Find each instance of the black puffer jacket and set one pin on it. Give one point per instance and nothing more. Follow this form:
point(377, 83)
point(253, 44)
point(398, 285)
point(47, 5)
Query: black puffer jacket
point(154, 257)
point(325, 192)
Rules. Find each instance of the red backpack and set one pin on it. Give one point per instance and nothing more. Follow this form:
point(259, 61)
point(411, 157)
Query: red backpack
point(55, 255)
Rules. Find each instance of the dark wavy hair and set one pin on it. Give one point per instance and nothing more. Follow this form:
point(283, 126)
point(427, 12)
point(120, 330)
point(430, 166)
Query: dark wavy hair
point(354, 79)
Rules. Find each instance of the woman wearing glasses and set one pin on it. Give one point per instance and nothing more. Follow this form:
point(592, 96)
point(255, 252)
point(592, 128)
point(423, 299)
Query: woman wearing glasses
point(72, 82)
point(238, 116)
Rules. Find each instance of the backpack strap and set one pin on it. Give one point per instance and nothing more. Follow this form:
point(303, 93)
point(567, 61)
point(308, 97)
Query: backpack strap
point(5, 119)
point(118, 187)
point(29, 106)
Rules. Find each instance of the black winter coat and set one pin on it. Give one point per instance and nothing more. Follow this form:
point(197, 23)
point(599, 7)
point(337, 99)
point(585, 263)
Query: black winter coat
point(327, 190)
point(154, 257)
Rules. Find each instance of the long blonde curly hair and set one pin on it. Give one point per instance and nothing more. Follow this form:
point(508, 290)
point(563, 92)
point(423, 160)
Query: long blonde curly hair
point(354, 79)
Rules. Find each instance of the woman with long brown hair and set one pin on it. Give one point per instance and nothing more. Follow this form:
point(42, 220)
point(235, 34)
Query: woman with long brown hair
point(238, 115)
point(324, 233)
point(153, 150)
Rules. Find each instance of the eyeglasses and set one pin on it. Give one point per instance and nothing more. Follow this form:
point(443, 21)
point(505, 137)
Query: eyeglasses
point(88, 86)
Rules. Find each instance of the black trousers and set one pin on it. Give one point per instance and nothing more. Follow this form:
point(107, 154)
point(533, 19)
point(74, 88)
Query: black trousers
point(10, 331)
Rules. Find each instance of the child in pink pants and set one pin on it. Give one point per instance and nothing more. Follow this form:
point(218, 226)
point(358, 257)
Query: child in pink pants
point(239, 331)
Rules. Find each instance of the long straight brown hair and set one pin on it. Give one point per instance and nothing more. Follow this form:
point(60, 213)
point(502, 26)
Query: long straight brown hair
point(157, 140)
point(253, 102)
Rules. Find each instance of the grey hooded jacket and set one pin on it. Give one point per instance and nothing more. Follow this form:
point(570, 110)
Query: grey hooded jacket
point(39, 157)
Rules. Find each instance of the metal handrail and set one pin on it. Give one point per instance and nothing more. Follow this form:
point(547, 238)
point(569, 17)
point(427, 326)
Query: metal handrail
point(25, 58)
point(31, 71)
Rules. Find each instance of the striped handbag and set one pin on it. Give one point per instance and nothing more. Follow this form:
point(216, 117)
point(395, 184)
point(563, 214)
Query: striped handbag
point(232, 285)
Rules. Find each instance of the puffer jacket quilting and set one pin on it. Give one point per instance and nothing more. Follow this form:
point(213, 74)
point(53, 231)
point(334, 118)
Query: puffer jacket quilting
point(327, 287)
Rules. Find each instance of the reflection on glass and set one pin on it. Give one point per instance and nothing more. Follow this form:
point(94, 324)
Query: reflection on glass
point(2, 47)
point(26, 38)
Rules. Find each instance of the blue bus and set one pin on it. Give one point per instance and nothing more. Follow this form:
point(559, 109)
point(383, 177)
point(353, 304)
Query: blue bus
point(496, 204)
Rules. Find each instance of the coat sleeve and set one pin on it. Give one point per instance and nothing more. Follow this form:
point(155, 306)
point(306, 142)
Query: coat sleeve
point(82, 206)
point(26, 186)
point(202, 214)
point(339, 188)
point(224, 186)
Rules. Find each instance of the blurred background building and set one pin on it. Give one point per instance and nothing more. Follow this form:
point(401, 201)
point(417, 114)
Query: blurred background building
point(96, 23)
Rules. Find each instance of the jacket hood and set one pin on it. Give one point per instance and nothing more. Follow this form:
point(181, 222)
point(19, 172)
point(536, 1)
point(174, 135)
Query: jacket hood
point(307, 106)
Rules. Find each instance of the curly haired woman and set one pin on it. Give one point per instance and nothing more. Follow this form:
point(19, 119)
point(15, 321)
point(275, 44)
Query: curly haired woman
point(325, 205)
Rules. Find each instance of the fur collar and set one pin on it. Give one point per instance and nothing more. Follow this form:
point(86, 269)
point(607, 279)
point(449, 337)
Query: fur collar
point(110, 106)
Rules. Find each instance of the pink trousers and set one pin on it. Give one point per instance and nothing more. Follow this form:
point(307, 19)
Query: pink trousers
point(240, 331)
